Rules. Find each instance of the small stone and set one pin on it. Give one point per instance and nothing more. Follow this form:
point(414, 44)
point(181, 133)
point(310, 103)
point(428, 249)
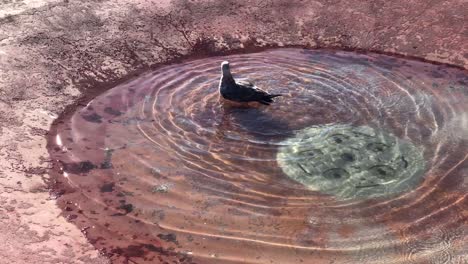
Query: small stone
point(162, 188)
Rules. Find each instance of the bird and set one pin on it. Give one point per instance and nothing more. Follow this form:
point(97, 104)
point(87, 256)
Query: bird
point(241, 90)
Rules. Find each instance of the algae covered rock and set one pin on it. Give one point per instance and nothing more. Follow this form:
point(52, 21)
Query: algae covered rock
point(351, 162)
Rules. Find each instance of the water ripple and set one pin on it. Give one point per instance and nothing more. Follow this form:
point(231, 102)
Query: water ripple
point(164, 170)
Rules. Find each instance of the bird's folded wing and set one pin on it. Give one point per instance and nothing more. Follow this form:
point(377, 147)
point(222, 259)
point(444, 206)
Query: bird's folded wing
point(245, 82)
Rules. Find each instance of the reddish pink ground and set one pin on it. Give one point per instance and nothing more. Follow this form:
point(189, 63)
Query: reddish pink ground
point(52, 50)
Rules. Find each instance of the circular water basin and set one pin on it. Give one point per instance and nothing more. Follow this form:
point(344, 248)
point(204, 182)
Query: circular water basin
point(161, 170)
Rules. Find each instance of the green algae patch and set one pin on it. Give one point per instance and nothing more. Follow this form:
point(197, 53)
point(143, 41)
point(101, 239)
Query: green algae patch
point(351, 162)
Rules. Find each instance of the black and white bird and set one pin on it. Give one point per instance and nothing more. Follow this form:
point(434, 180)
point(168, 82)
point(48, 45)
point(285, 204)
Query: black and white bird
point(241, 90)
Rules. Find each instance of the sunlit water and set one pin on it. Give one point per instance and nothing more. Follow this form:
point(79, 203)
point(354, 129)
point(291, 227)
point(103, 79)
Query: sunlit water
point(164, 170)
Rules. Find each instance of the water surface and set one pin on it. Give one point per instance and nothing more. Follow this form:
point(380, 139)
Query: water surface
point(163, 170)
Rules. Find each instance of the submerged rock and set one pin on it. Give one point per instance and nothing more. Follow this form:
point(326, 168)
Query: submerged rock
point(351, 162)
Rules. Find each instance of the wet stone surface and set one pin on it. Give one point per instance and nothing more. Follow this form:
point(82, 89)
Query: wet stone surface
point(351, 162)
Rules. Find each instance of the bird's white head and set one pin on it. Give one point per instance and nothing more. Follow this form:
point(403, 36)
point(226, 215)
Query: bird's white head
point(225, 68)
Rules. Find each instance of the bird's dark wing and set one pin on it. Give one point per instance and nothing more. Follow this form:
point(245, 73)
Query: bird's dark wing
point(249, 92)
point(245, 83)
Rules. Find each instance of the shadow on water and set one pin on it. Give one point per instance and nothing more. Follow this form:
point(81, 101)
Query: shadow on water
point(253, 120)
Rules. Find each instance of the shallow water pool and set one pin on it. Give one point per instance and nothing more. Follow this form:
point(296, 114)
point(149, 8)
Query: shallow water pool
point(160, 169)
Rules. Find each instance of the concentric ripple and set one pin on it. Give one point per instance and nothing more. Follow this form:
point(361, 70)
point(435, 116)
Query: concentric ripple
point(163, 171)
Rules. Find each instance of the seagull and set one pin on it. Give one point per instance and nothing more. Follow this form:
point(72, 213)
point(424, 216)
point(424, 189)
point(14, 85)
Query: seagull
point(241, 90)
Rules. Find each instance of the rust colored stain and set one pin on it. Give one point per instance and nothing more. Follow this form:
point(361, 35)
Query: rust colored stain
point(346, 230)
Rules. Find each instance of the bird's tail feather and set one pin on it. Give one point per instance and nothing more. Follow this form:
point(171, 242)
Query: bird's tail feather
point(274, 95)
point(267, 99)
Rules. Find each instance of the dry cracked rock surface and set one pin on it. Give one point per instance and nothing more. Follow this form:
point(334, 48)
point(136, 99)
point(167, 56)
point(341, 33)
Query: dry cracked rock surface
point(51, 52)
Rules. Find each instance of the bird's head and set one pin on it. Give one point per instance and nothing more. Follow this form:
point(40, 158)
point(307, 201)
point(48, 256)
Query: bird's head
point(225, 68)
